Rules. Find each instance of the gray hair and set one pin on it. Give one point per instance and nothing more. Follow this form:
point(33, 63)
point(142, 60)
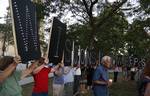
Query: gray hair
point(105, 58)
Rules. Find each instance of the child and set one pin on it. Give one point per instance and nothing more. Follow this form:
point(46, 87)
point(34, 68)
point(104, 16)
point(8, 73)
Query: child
point(40, 75)
point(58, 81)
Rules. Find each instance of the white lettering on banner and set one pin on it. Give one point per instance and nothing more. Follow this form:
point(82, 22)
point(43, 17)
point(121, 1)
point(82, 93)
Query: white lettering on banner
point(138, 61)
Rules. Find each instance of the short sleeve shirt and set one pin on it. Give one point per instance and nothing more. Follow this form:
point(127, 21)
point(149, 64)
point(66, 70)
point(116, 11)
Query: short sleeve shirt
point(101, 73)
point(10, 86)
point(41, 80)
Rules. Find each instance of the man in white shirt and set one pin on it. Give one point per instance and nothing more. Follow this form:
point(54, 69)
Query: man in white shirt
point(77, 76)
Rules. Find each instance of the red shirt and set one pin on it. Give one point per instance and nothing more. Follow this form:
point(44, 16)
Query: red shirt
point(41, 80)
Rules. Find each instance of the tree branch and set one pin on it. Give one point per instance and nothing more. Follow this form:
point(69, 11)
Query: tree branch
point(77, 14)
point(94, 2)
point(126, 9)
point(114, 9)
point(86, 6)
point(91, 8)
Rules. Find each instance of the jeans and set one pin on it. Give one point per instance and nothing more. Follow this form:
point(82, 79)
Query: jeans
point(76, 84)
point(40, 94)
point(100, 90)
point(68, 89)
point(115, 76)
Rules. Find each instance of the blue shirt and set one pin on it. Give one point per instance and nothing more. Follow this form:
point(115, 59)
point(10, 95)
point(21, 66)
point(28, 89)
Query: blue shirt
point(59, 79)
point(69, 76)
point(101, 74)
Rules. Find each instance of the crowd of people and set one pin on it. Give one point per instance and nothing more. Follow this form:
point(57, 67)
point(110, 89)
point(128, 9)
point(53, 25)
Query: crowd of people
point(68, 80)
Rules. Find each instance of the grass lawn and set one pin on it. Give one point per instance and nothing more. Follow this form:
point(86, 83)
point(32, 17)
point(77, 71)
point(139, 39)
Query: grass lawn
point(27, 89)
point(121, 88)
point(124, 88)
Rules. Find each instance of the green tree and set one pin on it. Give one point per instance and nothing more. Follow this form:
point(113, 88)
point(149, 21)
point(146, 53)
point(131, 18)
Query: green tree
point(6, 32)
point(88, 8)
point(138, 39)
point(145, 5)
point(109, 37)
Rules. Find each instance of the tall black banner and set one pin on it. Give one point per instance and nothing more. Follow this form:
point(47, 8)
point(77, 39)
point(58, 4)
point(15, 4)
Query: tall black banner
point(92, 56)
point(135, 60)
point(87, 57)
point(67, 52)
point(57, 41)
point(101, 54)
point(83, 57)
point(76, 55)
point(25, 24)
point(119, 60)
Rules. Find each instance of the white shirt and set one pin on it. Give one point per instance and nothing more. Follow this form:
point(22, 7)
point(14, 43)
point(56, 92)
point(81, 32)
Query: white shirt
point(77, 71)
point(133, 69)
point(116, 69)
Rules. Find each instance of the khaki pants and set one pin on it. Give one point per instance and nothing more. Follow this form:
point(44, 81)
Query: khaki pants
point(58, 89)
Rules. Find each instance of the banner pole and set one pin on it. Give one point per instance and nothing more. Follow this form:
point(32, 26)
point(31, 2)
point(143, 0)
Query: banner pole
point(62, 61)
point(85, 56)
point(79, 54)
point(72, 56)
point(13, 29)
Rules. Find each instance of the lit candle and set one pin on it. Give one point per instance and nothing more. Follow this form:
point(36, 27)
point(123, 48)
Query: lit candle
point(110, 80)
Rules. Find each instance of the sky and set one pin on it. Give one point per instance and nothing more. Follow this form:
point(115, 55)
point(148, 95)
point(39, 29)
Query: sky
point(3, 5)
